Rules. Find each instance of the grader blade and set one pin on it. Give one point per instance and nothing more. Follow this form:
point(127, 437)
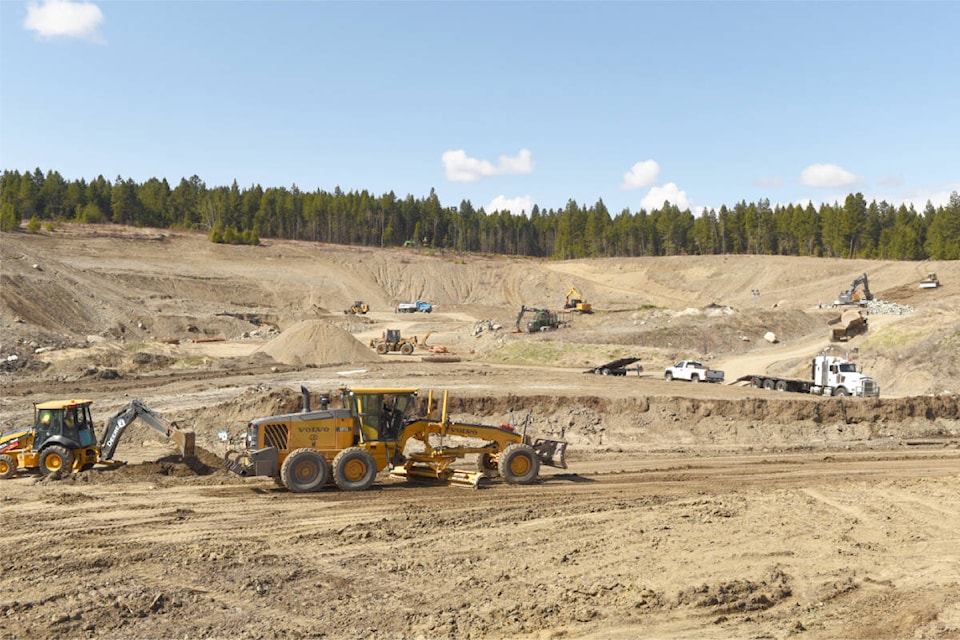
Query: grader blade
point(429, 475)
point(552, 453)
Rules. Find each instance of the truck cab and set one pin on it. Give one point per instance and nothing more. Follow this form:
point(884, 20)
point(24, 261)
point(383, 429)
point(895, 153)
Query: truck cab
point(833, 375)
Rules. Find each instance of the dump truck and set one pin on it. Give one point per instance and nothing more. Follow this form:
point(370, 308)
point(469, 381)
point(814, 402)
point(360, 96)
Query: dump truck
point(852, 322)
point(62, 439)
point(829, 376)
point(371, 431)
point(414, 307)
point(391, 341)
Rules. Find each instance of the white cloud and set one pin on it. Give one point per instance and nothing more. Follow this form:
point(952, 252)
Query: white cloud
point(641, 175)
point(462, 168)
point(827, 176)
point(670, 192)
point(517, 206)
point(53, 18)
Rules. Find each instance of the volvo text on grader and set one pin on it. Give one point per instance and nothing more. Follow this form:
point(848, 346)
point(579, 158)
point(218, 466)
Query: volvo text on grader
point(351, 445)
point(63, 440)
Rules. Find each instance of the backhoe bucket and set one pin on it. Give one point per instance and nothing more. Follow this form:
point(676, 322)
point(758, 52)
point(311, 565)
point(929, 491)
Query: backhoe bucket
point(552, 453)
point(186, 441)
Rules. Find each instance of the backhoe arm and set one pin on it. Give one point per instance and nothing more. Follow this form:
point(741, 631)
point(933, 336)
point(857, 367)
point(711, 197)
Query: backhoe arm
point(185, 439)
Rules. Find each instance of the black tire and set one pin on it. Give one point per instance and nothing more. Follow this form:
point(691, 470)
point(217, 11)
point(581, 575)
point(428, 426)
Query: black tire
point(487, 466)
point(605, 372)
point(382, 348)
point(769, 384)
point(407, 348)
point(781, 385)
point(56, 459)
point(304, 471)
point(694, 378)
point(519, 464)
point(354, 469)
point(668, 376)
point(8, 466)
point(841, 392)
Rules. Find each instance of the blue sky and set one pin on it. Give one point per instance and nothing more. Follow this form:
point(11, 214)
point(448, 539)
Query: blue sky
point(504, 104)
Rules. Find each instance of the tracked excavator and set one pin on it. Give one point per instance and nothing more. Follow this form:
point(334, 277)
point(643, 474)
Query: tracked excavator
point(858, 293)
point(350, 445)
point(62, 439)
point(575, 302)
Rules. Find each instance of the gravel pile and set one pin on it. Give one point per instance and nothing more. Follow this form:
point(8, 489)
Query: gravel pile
point(884, 308)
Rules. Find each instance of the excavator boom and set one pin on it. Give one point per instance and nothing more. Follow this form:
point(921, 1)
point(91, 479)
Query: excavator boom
point(185, 439)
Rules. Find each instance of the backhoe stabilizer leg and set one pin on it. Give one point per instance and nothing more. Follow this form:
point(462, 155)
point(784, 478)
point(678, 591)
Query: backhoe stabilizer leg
point(552, 453)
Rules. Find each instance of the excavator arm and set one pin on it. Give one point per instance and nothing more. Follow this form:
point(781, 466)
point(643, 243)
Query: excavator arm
point(184, 438)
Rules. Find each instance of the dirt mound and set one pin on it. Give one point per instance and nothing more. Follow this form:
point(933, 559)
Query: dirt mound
point(317, 343)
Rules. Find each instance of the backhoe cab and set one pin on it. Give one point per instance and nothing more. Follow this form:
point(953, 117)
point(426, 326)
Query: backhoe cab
point(63, 440)
point(350, 445)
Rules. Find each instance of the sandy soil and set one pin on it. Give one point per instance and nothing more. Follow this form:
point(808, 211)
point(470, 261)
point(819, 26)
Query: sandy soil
point(687, 511)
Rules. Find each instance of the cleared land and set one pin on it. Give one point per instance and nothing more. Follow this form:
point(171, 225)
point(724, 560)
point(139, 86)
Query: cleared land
point(688, 510)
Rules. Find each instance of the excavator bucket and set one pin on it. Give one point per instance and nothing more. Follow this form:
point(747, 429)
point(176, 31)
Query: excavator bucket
point(552, 453)
point(186, 441)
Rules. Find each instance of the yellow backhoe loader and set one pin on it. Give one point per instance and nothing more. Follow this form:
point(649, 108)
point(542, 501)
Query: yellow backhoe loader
point(62, 439)
point(371, 432)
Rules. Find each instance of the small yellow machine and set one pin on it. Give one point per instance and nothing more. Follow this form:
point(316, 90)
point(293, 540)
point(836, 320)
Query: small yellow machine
point(303, 451)
point(358, 308)
point(62, 438)
point(575, 302)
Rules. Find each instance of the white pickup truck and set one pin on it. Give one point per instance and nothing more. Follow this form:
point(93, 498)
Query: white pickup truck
point(693, 371)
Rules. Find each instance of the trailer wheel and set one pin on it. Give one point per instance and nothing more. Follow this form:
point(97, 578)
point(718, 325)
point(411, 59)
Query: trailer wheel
point(382, 348)
point(56, 459)
point(407, 348)
point(8, 466)
point(605, 371)
point(487, 466)
point(519, 464)
point(668, 376)
point(354, 469)
point(768, 384)
point(781, 385)
point(304, 470)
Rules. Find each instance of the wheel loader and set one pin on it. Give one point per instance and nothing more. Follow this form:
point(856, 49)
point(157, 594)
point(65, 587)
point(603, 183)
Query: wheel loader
point(391, 342)
point(371, 431)
point(359, 308)
point(62, 439)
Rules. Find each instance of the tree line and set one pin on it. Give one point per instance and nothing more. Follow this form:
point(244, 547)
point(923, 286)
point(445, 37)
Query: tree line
point(853, 229)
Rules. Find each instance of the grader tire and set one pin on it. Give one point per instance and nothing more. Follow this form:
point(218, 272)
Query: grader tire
point(8, 466)
point(519, 464)
point(304, 471)
point(56, 459)
point(354, 469)
point(487, 466)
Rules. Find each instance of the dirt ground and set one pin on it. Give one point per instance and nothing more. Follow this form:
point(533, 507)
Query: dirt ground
point(687, 510)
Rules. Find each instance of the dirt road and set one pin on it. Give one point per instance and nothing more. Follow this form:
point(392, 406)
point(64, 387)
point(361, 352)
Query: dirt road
point(827, 546)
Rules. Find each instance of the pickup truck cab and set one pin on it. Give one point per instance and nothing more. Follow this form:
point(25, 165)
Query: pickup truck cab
point(693, 371)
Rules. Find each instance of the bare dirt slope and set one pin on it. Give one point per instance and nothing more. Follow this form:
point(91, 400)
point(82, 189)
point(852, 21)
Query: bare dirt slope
point(687, 511)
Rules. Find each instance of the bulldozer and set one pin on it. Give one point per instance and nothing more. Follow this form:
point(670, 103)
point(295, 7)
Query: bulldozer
point(349, 446)
point(576, 303)
point(391, 342)
point(359, 308)
point(62, 439)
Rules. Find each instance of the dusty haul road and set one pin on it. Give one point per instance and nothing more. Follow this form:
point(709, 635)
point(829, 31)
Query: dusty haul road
point(838, 545)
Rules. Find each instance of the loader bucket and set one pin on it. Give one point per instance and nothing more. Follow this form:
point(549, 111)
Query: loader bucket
point(552, 453)
point(186, 441)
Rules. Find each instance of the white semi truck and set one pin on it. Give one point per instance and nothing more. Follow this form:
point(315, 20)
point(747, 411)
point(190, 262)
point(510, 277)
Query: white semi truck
point(830, 376)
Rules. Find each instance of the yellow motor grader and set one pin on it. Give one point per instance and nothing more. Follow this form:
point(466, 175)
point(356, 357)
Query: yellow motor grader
point(62, 439)
point(370, 432)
